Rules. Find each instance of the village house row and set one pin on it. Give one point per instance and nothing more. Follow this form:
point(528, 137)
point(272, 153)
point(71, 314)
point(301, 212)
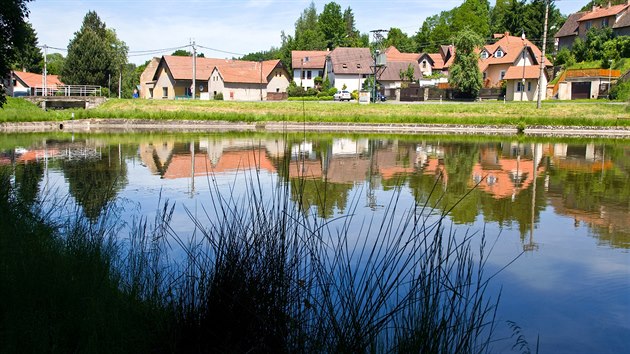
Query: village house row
point(511, 62)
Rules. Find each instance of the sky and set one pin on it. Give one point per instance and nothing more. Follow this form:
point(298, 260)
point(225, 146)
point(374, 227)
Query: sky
point(226, 28)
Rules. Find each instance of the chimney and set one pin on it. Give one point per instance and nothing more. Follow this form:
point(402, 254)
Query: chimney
point(608, 7)
point(594, 8)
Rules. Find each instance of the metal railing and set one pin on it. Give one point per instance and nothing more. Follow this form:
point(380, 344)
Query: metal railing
point(67, 90)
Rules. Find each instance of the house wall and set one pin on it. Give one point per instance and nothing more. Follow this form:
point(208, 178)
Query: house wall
point(493, 73)
point(425, 68)
point(243, 92)
point(566, 42)
point(511, 93)
point(352, 82)
point(215, 85)
point(147, 76)
point(306, 82)
point(623, 31)
point(597, 23)
point(565, 88)
point(278, 81)
point(164, 80)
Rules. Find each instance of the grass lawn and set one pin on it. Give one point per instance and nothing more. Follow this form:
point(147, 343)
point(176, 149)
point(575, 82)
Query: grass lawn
point(586, 113)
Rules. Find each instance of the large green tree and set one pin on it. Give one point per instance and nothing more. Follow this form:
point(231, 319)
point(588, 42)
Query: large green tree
point(473, 15)
point(399, 39)
point(332, 25)
point(95, 55)
point(55, 63)
point(29, 56)
point(465, 74)
point(12, 15)
point(435, 31)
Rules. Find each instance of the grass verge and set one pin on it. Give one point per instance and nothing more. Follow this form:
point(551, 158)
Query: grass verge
point(553, 113)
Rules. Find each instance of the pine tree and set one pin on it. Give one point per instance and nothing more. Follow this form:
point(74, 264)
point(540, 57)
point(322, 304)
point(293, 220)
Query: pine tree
point(29, 57)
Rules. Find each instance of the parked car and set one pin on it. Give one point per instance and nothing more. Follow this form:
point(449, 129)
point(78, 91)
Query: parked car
point(342, 95)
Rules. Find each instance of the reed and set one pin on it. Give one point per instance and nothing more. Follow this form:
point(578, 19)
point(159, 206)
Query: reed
point(260, 273)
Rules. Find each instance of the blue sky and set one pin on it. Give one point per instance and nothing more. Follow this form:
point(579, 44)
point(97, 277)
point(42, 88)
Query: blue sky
point(236, 26)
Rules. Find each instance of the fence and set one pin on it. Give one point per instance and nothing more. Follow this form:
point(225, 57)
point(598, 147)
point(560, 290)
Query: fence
point(67, 90)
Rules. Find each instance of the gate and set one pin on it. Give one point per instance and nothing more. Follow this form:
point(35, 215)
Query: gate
point(580, 90)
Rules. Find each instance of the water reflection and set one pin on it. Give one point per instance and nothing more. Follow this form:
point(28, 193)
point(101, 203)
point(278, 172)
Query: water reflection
point(513, 181)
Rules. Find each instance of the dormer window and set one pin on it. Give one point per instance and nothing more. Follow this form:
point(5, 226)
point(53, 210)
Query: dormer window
point(358, 66)
point(306, 59)
point(499, 53)
point(345, 66)
point(484, 55)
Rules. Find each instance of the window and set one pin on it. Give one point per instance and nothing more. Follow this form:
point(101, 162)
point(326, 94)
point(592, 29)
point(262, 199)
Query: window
point(519, 86)
point(529, 86)
point(589, 24)
point(485, 76)
point(484, 55)
point(358, 66)
point(164, 92)
point(306, 59)
point(309, 74)
point(321, 73)
point(499, 53)
point(424, 64)
point(151, 92)
point(502, 74)
point(303, 74)
point(605, 22)
point(277, 90)
point(345, 66)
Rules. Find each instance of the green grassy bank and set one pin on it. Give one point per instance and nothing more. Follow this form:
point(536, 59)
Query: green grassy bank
point(588, 113)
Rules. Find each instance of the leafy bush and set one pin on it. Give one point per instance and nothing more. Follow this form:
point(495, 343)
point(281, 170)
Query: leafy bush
point(621, 91)
point(218, 96)
point(311, 98)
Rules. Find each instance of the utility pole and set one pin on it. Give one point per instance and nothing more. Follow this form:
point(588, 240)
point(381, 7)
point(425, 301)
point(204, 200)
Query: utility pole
point(523, 81)
point(378, 38)
point(542, 58)
point(261, 79)
point(120, 82)
point(194, 73)
point(45, 90)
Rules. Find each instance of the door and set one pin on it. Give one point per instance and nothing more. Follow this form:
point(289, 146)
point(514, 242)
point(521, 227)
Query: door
point(580, 90)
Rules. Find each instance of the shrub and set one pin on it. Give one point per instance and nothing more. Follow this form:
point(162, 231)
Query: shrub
point(218, 96)
point(621, 91)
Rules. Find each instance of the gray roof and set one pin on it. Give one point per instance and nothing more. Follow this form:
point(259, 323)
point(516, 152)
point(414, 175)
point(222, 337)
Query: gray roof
point(393, 69)
point(351, 61)
point(570, 27)
point(623, 20)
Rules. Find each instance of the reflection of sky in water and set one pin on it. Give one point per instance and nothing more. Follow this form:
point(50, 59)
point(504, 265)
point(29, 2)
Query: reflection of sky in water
point(573, 290)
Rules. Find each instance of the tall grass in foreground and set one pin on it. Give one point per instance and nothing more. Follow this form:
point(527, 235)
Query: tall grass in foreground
point(259, 275)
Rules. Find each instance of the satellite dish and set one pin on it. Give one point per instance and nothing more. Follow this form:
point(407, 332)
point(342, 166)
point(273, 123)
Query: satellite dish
point(200, 88)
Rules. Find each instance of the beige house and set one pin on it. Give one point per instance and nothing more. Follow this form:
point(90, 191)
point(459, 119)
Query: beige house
point(521, 59)
point(615, 16)
point(249, 81)
point(172, 78)
point(147, 85)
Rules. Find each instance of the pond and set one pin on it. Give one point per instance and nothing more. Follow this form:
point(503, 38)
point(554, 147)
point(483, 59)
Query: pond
point(555, 212)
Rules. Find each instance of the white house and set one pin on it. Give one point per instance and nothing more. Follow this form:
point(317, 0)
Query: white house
point(349, 67)
point(307, 65)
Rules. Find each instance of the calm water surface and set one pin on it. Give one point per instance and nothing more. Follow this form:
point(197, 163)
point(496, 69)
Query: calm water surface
point(563, 205)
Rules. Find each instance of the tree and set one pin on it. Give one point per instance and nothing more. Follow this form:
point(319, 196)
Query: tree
point(397, 38)
point(435, 31)
point(353, 36)
point(95, 55)
point(12, 15)
point(185, 53)
point(473, 15)
point(332, 25)
point(29, 57)
point(55, 63)
point(465, 74)
point(534, 21)
point(407, 75)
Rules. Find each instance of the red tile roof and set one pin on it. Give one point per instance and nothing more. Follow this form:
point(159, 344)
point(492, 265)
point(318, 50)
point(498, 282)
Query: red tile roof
point(36, 80)
point(249, 72)
point(181, 67)
point(393, 54)
point(602, 12)
point(516, 72)
point(512, 47)
point(308, 59)
point(438, 62)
